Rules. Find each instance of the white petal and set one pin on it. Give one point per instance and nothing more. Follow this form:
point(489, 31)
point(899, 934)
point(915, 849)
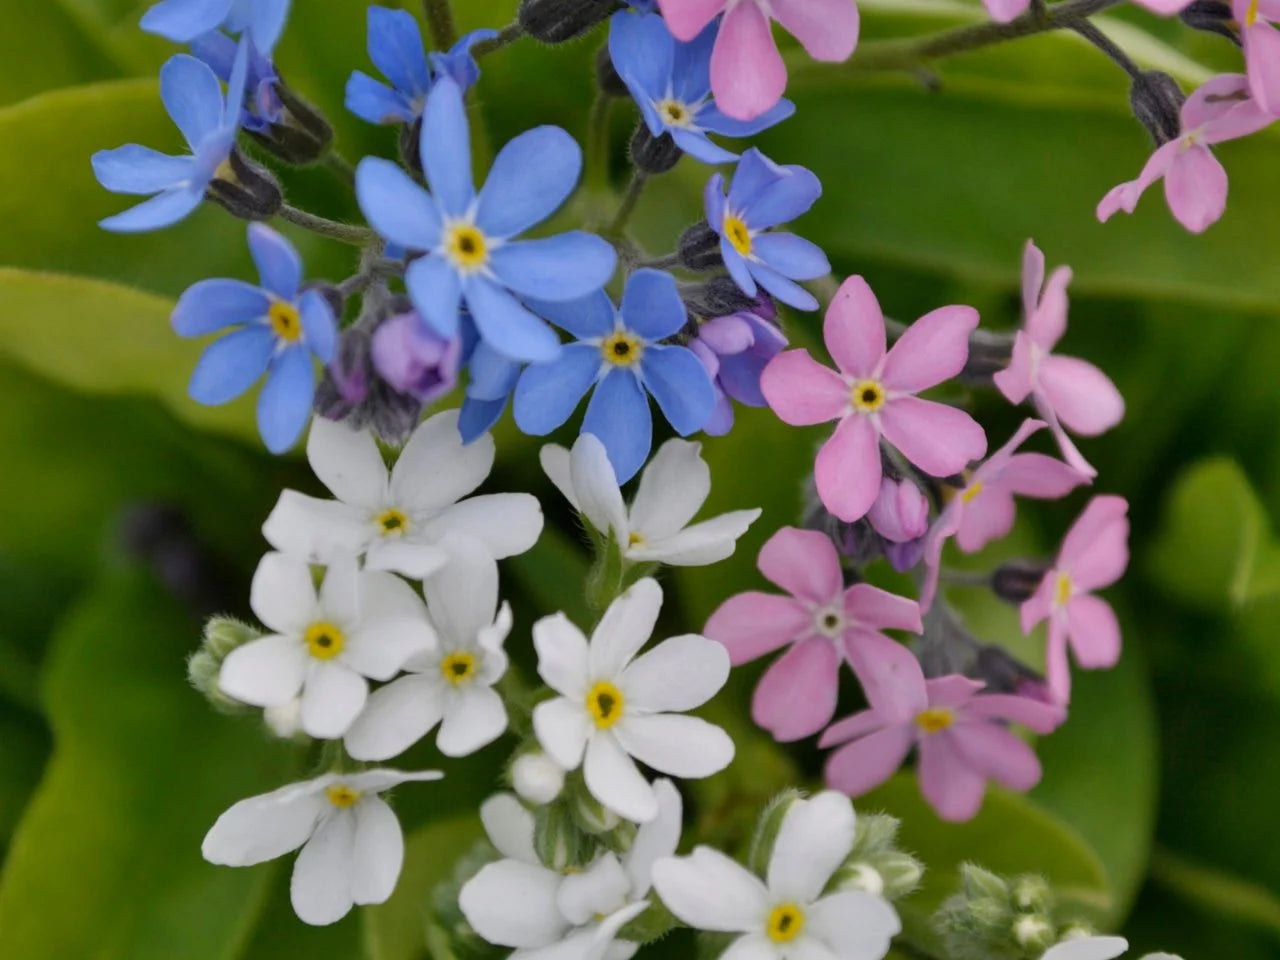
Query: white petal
point(673, 488)
point(321, 886)
point(562, 655)
point(624, 628)
point(708, 891)
point(379, 851)
point(754, 946)
point(509, 826)
point(506, 523)
point(815, 837)
point(340, 591)
point(267, 672)
point(493, 636)
point(348, 463)
point(331, 699)
point(687, 747)
point(380, 648)
point(853, 924)
point(386, 595)
point(656, 839)
point(267, 826)
point(396, 717)
point(555, 464)
point(463, 596)
point(415, 560)
point(474, 718)
point(283, 595)
point(703, 543)
point(562, 728)
point(598, 890)
point(435, 468)
point(678, 674)
point(596, 484)
point(1088, 948)
point(513, 904)
point(315, 529)
point(806, 947)
point(383, 778)
point(614, 780)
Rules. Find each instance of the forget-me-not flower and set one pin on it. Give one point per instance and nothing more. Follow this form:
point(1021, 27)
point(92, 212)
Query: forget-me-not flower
point(764, 194)
point(620, 353)
point(183, 20)
point(262, 103)
point(491, 379)
point(671, 83)
point(473, 256)
point(277, 328)
point(208, 121)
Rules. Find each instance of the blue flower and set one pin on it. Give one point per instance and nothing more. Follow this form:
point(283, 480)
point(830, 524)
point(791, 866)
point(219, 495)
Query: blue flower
point(184, 20)
point(193, 98)
point(395, 47)
point(671, 83)
point(620, 353)
point(472, 256)
point(492, 377)
point(276, 329)
point(262, 104)
point(763, 195)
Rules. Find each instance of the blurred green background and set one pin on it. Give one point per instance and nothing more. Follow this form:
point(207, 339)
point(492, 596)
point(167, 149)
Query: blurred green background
point(1156, 814)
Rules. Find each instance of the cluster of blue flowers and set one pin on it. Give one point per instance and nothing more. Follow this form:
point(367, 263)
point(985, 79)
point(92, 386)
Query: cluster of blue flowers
point(479, 296)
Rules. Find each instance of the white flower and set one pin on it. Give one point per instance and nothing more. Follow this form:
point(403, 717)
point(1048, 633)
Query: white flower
point(518, 902)
point(451, 682)
point(1095, 948)
point(397, 519)
point(361, 624)
point(613, 710)
point(673, 488)
point(536, 777)
point(786, 917)
point(352, 847)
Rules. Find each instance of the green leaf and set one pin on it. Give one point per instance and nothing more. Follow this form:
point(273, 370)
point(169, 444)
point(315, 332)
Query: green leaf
point(44, 48)
point(1218, 891)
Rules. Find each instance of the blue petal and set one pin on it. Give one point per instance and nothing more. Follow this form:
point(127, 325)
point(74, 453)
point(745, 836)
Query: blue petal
point(691, 73)
point(783, 289)
point(213, 304)
point(266, 23)
point(237, 83)
point(192, 96)
point(548, 393)
point(140, 170)
point(713, 202)
point(318, 325)
point(229, 366)
point(183, 20)
point(477, 416)
point(491, 375)
point(651, 305)
point(395, 47)
point(784, 200)
point(217, 50)
point(436, 291)
point(642, 51)
point(395, 206)
point(737, 268)
point(792, 256)
point(445, 147)
point(755, 172)
point(375, 102)
point(160, 211)
point(585, 318)
point(284, 405)
point(506, 325)
point(681, 385)
point(564, 267)
point(712, 119)
point(531, 177)
point(696, 144)
point(278, 263)
point(458, 63)
point(618, 415)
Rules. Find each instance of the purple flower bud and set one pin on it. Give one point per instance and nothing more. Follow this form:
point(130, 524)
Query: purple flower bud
point(904, 556)
point(900, 512)
point(413, 359)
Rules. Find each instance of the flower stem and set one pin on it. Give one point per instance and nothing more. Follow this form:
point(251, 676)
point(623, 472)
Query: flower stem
point(638, 179)
point(440, 23)
point(1104, 43)
point(597, 178)
point(347, 233)
point(507, 35)
point(340, 167)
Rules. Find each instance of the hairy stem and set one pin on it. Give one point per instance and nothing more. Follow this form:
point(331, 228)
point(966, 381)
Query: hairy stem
point(440, 23)
point(1104, 43)
point(507, 35)
point(347, 233)
point(638, 179)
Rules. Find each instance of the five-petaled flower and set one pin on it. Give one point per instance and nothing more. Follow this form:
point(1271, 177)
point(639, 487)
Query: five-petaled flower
point(185, 20)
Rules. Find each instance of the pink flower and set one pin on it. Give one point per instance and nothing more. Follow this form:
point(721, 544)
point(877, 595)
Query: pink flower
point(874, 395)
point(960, 736)
point(1261, 42)
point(823, 623)
point(1065, 390)
point(1195, 184)
point(1006, 10)
point(983, 510)
point(1093, 555)
point(747, 72)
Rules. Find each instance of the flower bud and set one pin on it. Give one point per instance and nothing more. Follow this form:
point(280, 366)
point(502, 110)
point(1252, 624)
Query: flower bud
point(353, 391)
point(1001, 671)
point(653, 154)
point(413, 359)
point(536, 777)
point(588, 812)
point(301, 135)
point(873, 833)
point(558, 840)
point(224, 634)
point(989, 353)
point(900, 873)
point(900, 511)
point(859, 876)
point(720, 296)
point(1213, 16)
point(766, 833)
point(980, 884)
point(699, 248)
point(654, 923)
point(607, 77)
point(1033, 932)
point(1031, 894)
point(1157, 99)
point(410, 145)
point(245, 189)
point(1014, 581)
point(555, 21)
point(904, 556)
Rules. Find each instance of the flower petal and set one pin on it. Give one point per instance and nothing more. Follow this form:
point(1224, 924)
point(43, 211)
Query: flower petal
point(567, 266)
point(679, 382)
point(562, 729)
point(532, 175)
point(320, 889)
point(435, 469)
point(613, 779)
point(651, 304)
point(869, 761)
point(284, 403)
point(474, 719)
point(952, 787)
point(708, 891)
point(319, 326)
point(1195, 185)
point(347, 461)
point(375, 102)
point(804, 563)
point(283, 595)
point(547, 393)
point(1083, 397)
point(506, 523)
point(671, 743)
point(377, 852)
point(880, 609)
point(1095, 632)
point(700, 544)
point(395, 47)
point(624, 628)
point(655, 839)
point(264, 827)
point(562, 655)
point(584, 317)
point(797, 695)
point(995, 752)
point(510, 827)
point(436, 290)
point(752, 624)
point(513, 904)
point(939, 439)
point(395, 718)
point(382, 646)
point(213, 304)
point(229, 366)
point(140, 170)
point(1089, 948)
point(332, 698)
point(445, 148)
point(160, 211)
point(815, 837)
point(854, 924)
point(184, 20)
point(192, 97)
point(507, 326)
point(848, 469)
point(932, 349)
point(794, 257)
point(596, 488)
point(747, 72)
point(1096, 548)
point(278, 263)
point(678, 674)
point(618, 413)
point(802, 391)
point(827, 29)
point(266, 672)
point(396, 205)
point(890, 674)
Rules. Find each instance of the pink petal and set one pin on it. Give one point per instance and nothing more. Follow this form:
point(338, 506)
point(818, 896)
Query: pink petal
point(952, 787)
point(747, 72)
point(945, 526)
point(1040, 476)
point(1195, 185)
point(752, 624)
point(1017, 379)
point(880, 609)
point(1047, 323)
point(1002, 11)
point(1033, 714)
point(889, 673)
point(1215, 98)
point(851, 728)
point(827, 29)
point(1094, 631)
point(857, 767)
point(853, 329)
point(847, 471)
point(1070, 453)
point(953, 690)
point(1039, 604)
point(933, 349)
point(1057, 671)
point(804, 563)
point(938, 439)
point(1032, 273)
point(1125, 196)
point(994, 466)
point(687, 18)
point(1083, 397)
point(988, 516)
point(802, 391)
point(1096, 549)
point(995, 752)
point(797, 695)
point(1165, 8)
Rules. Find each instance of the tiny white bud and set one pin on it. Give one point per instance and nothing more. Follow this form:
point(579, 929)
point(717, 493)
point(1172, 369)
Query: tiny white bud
point(284, 721)
point(1033, 932)
point(863, 876)
point(537, 778)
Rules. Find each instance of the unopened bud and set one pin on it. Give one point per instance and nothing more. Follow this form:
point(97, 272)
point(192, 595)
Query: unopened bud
point(224, 634)
point(301, 135)
point(245, 189)
point(558, 841)
point(1031, 894)
point(980, 884)
point(873, 833)
point(1001, 671)
point(1213, 16)
point(353, 391)
point(900, 511)
point(859, 876)
point(900, 873)
point(1014, 581)
point(904, 556)
point(536, 777)
point(989, 353)
point(766, 833)
point(555, 21)
point(589, 813)
point(607, 76)
point(1033, 932)
point(720, 296)
point(1157, 99)
point(699, 248)
point(653, 154)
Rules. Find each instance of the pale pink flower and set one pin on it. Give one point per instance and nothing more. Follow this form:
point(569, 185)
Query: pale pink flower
point(874, 395)
point(1195, 183)
point(1066, 391)
point(959, 734)
point(747, 72)
point(983, 509)
point(822, 622)
point(1261, 41)
point(1094, 554)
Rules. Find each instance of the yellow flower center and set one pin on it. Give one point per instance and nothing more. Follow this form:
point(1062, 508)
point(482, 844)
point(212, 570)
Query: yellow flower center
point(635, 539)
point(738, 234)
point(604, 703)
point(458, 667)
point(466, 247)
point(342, 796)
point(1251, 15)
point(934, 720)
point(324, 641)
point(392, 522)
point(867, 396)
point(674, 113)
point(785, 922)
point(1063, 589)
point(970, 492)
point(284, 320)
point(622, 349)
